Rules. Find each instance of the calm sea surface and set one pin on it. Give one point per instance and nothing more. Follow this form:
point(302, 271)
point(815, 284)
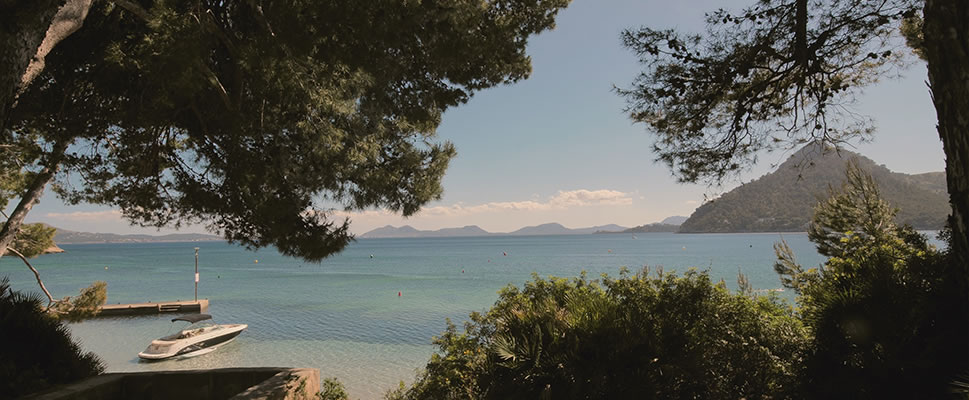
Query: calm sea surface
point(344, 315)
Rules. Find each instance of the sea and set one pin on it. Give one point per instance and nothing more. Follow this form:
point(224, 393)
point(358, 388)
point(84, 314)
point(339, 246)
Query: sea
point(367, 315)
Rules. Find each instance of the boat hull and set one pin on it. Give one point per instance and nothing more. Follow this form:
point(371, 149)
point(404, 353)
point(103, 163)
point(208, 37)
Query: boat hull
point(161, 349)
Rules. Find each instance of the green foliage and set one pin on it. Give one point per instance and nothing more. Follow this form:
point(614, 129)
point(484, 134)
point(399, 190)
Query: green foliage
point(852, 217)
point(889, 320)
point(34, 239)
point(912, 32)
point(38, 351)
point(887, 312)
point(17, 152)
point(264, 121)
point(775, 75)
point(792, 275)
point(85, 305)
point(632, 337)
point(332, 390)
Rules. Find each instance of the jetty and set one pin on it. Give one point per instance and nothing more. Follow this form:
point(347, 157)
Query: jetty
point(190, 306)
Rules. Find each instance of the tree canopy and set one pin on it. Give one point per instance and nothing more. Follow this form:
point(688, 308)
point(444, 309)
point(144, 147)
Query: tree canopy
point(776, 75)
point(260, 120)
point(783, 72)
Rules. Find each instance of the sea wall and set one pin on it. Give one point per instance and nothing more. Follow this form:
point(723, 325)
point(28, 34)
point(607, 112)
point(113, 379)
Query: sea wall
point(222, 383)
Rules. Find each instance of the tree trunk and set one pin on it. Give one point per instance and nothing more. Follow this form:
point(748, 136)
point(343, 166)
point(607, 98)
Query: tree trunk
point(24, 25)
point(69, 19)
point(800, 37)
point(30, 29)
point(34, 192)
point(946, 33)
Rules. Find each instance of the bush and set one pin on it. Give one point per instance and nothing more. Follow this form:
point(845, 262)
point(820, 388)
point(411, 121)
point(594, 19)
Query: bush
point(632, 337)
point(332, 390)
point(85, 305)
point(890, 320)
point(888, 313)
point(37, 350)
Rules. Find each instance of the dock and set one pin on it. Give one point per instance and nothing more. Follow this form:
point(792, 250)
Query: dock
point(184, 307)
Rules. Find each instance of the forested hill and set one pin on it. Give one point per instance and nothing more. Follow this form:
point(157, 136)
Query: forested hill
point(783, 201)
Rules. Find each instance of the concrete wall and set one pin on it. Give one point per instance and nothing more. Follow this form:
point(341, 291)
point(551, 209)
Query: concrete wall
point(212, 384)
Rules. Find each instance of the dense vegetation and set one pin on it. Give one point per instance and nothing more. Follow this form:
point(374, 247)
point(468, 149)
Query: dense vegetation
point(37, 349)
point(888, 312)
point(884, 317)
point(638, 336)
point(782, 201)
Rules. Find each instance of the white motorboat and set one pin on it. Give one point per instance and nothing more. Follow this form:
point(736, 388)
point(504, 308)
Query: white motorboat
point(198, 338)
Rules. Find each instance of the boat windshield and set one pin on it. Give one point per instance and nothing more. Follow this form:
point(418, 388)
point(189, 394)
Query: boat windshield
point(158, 348)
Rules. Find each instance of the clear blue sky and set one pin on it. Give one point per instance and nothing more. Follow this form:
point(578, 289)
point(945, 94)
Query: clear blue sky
point(558, 148)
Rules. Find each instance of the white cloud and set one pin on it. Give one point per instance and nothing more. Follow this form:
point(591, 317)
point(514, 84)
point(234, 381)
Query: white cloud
point(86, 215)
point(584, 197)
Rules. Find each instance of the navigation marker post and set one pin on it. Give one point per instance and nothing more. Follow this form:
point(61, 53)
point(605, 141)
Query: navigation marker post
point(196, 274)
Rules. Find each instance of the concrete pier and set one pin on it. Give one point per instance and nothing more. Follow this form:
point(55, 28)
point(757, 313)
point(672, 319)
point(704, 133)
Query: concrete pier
point(205, 384)
point(184, 307)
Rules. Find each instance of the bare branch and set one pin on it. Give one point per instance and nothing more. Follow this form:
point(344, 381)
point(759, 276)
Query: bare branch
point(36, 275)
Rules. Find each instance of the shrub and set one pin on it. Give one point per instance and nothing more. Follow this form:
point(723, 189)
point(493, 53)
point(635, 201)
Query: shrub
point(37, 350)
point(887, 312)
point(332, 390)
point(633, 337)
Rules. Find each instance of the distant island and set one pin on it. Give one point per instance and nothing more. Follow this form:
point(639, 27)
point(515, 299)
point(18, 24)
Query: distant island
point(784, 200)
point(408, 231)
point(670, 224)
point(64, 236)
point(655, 227)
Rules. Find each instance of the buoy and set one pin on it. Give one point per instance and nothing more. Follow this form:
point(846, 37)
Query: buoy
point(609, 251)
point(462, 271)
point(684, 247)
point(371, 256)
point(255, 261)
point(105, 267)
point(504, 254)
point(398, 294)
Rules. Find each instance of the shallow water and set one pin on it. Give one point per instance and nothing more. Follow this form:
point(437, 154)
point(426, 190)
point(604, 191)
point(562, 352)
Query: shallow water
point(344, 315)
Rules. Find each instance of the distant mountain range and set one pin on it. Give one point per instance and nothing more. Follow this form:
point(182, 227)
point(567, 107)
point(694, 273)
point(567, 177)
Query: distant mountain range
point(64, 236)
point(784, 200)
point(408, 231)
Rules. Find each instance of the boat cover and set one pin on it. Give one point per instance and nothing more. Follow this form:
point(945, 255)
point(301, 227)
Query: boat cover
point(193, 318)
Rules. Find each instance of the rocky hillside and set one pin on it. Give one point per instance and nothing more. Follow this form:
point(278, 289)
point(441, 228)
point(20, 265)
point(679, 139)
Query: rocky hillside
point(784, 199)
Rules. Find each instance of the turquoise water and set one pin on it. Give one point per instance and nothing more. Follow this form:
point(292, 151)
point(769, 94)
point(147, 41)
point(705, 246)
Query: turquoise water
point(344, 315)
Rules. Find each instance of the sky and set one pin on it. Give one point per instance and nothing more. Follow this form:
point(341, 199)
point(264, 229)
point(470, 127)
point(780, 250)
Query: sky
point(558, 147)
